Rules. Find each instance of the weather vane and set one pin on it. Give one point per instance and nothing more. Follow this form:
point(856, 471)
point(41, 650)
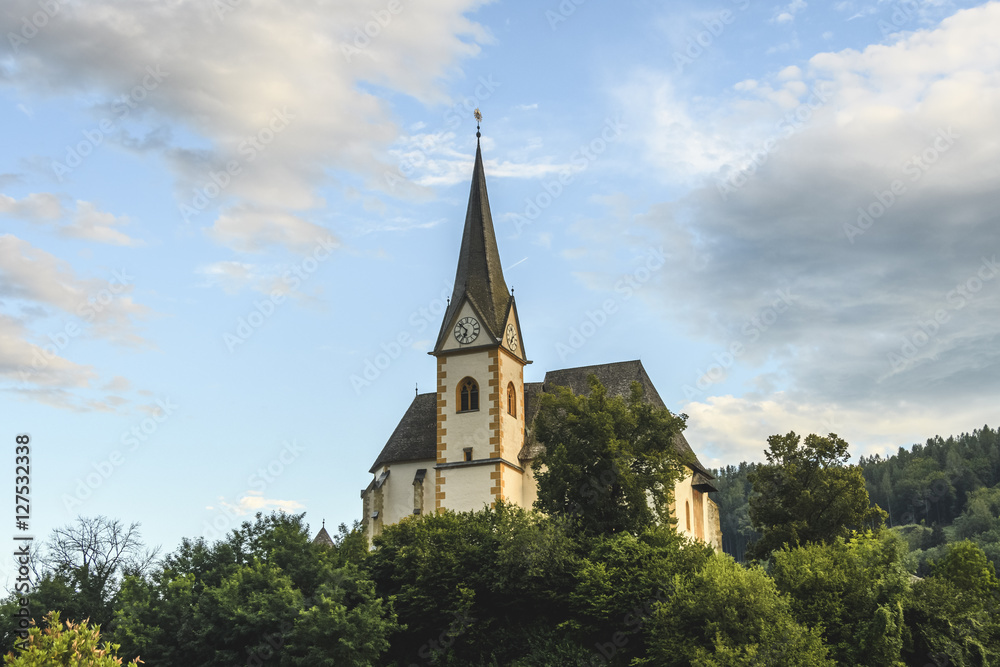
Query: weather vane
point(479, 119)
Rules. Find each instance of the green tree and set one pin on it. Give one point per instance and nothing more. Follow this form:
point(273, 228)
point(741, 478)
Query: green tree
point(949, 626)
point(474, 587)
point(726, 615)
point(966, 566)
point(507, 586)
point(72, 645)
point(853, 590)
point(608, 462)
point(79, 573)
point(953, 616)
point(346, 624)
point(264, 595)
point(981, 514)
point(806, 493)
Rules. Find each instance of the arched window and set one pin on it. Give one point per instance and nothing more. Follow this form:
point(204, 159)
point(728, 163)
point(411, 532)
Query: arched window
point(687, 509)
point(511, 400)
point(468, 395)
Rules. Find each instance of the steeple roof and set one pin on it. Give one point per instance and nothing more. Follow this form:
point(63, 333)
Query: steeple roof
point(479, 275)
point(323, 537)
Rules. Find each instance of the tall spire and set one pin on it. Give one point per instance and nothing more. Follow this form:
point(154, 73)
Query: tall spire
point(479, 274)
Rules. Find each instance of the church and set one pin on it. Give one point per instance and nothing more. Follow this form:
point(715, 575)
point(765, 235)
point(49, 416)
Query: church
point(470, 443)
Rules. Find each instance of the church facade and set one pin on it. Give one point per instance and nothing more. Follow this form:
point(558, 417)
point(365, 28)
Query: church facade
point(470, 443)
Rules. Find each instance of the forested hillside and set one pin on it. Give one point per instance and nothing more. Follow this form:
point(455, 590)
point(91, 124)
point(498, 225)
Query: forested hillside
point(935, 493)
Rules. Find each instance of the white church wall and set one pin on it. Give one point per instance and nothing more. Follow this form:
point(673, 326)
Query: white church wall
point(467, 487)
point(529, 486)
point(511, 426)
point(466, 429)
point(513, 485)
point(398, 498)
point(684, 505)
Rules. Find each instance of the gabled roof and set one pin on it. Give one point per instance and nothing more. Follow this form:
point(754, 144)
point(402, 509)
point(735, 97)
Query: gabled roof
point(617, 378)
point(415, 436)
point(323, 538)
point(479, 274)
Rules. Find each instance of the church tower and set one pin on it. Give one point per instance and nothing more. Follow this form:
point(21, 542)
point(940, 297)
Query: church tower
point(480, 372)
point(470, 442)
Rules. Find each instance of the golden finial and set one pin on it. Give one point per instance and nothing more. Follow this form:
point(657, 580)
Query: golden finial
point(479, 119)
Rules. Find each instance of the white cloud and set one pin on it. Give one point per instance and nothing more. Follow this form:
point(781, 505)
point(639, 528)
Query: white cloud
point(55, 309)
point(226, 77)
point(36, 207)
point(787, 13)
point(234, 277)
point(436, 159)
point(94, 225)
point(86, 222)
point(254, 501)
point(729, 429)
point(862, 337)
point(253, 229)
point(38, 365)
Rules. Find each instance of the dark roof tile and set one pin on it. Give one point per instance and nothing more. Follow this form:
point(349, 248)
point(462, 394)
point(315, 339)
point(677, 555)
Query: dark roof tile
point(415, 437)
point(617, 378)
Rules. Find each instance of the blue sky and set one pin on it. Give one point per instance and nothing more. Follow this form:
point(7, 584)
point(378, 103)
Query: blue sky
point(227, 228)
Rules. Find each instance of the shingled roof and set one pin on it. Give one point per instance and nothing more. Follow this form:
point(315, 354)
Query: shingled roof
point(415, 437)
point(479, 274)
point(617, 378)
point(323, 537)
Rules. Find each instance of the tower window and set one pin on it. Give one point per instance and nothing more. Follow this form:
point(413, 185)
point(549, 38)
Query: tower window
point(687, 509)
point(511, 400)
point(468, 395)
point(468, 453)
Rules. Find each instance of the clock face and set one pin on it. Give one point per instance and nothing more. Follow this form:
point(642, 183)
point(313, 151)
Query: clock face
point(511, 338)
point(467, 330)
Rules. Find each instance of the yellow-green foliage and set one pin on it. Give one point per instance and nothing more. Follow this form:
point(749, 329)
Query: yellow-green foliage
point(69, 645)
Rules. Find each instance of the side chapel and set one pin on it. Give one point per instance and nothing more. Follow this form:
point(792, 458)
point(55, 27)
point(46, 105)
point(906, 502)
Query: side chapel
point(470, 443)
